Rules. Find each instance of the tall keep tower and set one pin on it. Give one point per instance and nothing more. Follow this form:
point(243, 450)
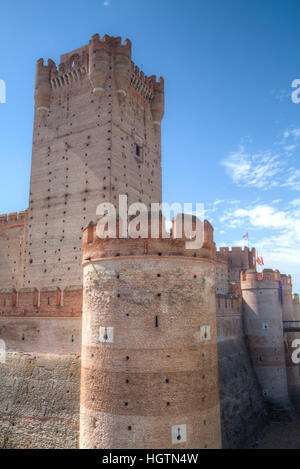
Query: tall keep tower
point(96, 135)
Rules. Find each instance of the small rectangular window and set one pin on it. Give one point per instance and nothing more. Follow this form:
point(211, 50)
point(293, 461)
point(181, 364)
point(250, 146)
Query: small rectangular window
point(138, 150)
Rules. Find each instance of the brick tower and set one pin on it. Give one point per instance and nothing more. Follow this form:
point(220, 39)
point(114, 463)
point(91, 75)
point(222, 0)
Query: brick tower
point(149, 371)
point(264, 333)
point(96, 135)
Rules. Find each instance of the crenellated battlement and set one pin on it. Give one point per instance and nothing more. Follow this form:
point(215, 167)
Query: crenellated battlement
point(234, 249)
point(158, 244)
point(96, 60)
point(237, 256)
point(250, 279)
point(149, 87)
point(46, 302)
point(13, 219)
point(286, 281)
point(111, 41)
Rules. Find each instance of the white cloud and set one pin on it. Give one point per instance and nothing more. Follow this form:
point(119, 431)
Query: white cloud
point(253, 170)
point(106, 3)
point(295, 133)
point(276, 234)
point(295, 203)
point(264, 216)
point(293, 179)
point(217, 202)
point(266, 169)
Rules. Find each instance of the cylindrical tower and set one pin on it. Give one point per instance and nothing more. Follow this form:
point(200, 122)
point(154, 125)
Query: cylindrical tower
point(296, 306)
point(149, 376)
point(98, 63)
point(292, 368)
point(264, 332)
point(158, 103)
point(42, 92)
point(122, 66)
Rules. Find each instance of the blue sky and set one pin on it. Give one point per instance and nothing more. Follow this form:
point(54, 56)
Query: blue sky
point(231, 133)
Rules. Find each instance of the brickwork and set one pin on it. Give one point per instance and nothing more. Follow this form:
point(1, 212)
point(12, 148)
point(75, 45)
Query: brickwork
point(13, 230)
point(243, 412)
point(96, 135)
point(296, 305)
point(48, 302)
point(39, 375)
point(292, 369)
point(237, 259)
point(150, 316)
point(264, 332)
point(154, 371)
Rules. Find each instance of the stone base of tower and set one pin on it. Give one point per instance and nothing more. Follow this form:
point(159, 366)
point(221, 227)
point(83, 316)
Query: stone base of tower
point(106, 431)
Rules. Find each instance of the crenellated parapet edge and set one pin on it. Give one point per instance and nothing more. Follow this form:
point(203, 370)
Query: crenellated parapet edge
point(296, 307)
point(155, 243)
point(237, 256)
point(296, 300)
point(45, 302)
point(100, 58)
point(286, 283)
point(251, 279)
point(14, 219)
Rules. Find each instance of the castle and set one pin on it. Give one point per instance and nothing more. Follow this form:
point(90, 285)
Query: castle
point(128, 343)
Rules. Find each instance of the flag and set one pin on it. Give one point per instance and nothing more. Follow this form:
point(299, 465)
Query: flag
point(262, 261)
point(246, 235)
point(258, 261)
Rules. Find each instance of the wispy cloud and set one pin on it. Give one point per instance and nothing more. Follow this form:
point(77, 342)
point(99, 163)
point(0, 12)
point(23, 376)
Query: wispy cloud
point(106, 3)
point(281, 95)
point(274, 231)
point(253, 170)
point(295, 133)
point(267, 169)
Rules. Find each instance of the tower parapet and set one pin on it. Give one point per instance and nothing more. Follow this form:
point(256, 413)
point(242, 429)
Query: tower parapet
point(149, 376)
point(288, 313)
point(157, 104)
point(42, 92)
point(99, 60)
point(296, 306)
point(122, 65)
point(13, 219)
point(95, 247)
point(47, 302)
point(264, 332)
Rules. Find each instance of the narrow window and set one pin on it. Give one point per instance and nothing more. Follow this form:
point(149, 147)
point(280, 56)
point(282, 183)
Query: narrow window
point(137, 150)
point(156, 321)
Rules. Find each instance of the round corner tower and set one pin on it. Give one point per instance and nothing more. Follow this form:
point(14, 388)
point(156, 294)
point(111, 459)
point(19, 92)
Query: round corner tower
point(264, 332)
point(296, 305)
point(149, 376)
point(288, 313)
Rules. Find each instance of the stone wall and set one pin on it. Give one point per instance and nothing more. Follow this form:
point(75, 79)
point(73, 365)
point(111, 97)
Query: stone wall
point(13, 229)
point(39, 375)
point(40, 367)
point(243, 412)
